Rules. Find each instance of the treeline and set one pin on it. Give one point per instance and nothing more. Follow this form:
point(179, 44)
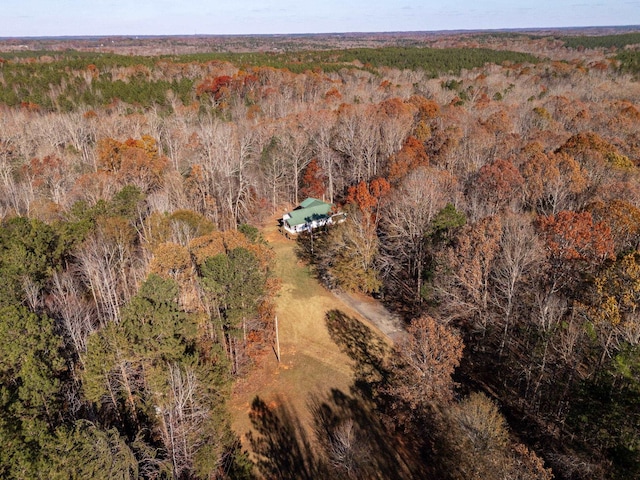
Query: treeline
point(446, 61)
point(629, 62)
point(68, 82)
point(65, 82)
point(602, 41)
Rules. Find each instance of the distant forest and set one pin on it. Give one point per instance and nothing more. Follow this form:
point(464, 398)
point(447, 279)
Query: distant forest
point(60, 83)
point(491, 185)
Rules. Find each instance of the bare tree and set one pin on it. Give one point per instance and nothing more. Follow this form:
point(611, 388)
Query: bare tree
point(520, 252)
point(109, 267)
point(396, 120)
point(98, 263)
point(356, 137)
point(406, 222)
point(11, 197)
point(296, 149)
point(275, 171)
point(466, 290)
point(75, 314)
point(548, 312)
point(227, 154)
point(321, 129)
point(182, 415)
point(79, 135)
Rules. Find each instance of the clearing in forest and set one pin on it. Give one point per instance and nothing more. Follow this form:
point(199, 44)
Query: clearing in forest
point(311, 362)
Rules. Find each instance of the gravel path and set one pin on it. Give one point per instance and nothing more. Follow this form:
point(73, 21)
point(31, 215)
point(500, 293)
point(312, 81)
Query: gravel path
point(371, 309)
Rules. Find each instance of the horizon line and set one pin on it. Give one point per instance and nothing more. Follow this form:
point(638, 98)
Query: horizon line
point(301, 34)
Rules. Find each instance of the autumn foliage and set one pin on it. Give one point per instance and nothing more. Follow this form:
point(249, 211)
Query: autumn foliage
point(427, 358)
point(134, 161)
point(411, 156)
point(313, 181)
point(492, 195)
point(367, 196)
point(217, 87)
point(497, 184)
point(575, 236)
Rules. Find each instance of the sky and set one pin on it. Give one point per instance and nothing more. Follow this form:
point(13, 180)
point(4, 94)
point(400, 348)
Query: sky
point(35, 18)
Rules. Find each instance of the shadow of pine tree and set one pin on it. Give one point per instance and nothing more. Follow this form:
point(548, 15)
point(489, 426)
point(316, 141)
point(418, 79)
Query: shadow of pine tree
point(281, 444)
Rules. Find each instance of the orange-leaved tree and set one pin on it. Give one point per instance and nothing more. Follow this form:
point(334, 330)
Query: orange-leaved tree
point(553, 181)
point(464, 281)
point(623, 219)
point(423, 366)
point(135, 162)
point(349, 253)
point(575, 236)
point(411, 156)
point(367, 196)
point(313, 180)
point(576, 245)
point(496, 185)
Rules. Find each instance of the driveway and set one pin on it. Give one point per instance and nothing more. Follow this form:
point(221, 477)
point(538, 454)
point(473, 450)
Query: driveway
point(372, 310)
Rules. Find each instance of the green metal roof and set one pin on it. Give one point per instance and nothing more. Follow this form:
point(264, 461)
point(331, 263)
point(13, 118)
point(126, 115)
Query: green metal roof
point(309, 210)
point(311, 202)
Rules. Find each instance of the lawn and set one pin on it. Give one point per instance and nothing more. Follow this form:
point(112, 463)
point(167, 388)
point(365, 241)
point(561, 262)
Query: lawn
point(311, 363)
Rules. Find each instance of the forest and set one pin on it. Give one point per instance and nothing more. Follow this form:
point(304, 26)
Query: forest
point(492, 190)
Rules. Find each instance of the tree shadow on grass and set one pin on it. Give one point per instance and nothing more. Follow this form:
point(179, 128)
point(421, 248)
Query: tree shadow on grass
point(349, 440)
point(281, 445)
point(364, 347)
point(368, 404)
point(355, 443)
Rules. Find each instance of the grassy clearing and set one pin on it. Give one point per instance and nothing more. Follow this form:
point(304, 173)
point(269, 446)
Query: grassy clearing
point(312, 363)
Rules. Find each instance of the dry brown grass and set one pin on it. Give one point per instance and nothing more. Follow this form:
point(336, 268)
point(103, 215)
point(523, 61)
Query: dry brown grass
point(311, 363)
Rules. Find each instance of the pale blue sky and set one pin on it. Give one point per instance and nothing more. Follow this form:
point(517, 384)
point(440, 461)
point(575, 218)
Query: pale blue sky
point(169, 17)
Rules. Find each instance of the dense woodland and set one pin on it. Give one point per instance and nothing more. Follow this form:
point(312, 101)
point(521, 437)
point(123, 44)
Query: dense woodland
point(493, 199)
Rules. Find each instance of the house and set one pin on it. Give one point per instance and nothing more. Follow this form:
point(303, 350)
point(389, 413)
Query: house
point(309, 215)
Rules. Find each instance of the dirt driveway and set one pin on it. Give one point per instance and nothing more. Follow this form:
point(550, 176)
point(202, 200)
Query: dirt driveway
point(373, 311)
